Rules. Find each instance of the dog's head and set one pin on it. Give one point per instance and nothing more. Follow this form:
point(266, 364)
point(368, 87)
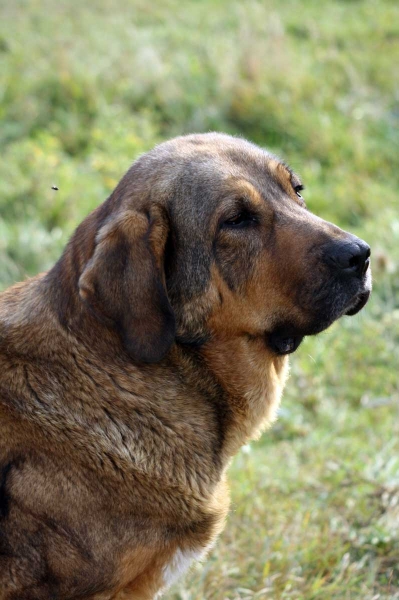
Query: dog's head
point(208, 235)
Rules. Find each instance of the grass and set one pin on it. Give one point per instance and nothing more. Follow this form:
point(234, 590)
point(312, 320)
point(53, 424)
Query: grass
point(85, 89)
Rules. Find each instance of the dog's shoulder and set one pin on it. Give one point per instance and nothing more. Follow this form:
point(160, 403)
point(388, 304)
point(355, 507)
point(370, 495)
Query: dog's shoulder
point(46, 546)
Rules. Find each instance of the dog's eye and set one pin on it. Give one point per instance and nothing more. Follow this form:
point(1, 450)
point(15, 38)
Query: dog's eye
point(240, 220)
point(298, 189)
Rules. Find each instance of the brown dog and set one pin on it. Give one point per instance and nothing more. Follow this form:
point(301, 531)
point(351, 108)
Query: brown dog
point(133, 370)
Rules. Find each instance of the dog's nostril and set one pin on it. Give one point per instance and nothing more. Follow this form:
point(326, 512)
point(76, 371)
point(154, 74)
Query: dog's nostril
point(359, 259)
point(350, 257)
point(354, 261)
point(366, 266)
point(360, 262)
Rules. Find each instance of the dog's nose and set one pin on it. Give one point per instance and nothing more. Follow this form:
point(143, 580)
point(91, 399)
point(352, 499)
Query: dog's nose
point(351, 257)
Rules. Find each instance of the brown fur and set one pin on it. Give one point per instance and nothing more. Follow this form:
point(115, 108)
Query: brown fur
point(132, 371)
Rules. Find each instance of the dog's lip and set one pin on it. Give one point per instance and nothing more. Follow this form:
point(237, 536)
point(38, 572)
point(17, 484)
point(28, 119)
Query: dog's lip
point(360, 301)
point(283, 343)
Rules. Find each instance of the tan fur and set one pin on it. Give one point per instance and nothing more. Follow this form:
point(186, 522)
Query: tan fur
point(132, 372)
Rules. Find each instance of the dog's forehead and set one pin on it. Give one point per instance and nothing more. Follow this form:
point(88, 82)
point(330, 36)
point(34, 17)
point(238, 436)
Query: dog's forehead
point(202, 168)
point(223, 154)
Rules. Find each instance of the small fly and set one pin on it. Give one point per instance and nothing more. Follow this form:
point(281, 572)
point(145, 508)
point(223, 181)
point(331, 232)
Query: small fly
point(54, 187)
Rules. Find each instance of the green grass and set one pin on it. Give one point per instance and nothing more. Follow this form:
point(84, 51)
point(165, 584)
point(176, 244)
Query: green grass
point(85, 89)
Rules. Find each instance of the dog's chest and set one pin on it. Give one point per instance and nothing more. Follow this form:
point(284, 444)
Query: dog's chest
point(179, 563)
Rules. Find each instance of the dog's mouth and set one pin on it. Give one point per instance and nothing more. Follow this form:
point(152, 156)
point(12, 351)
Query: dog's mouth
point(360, 302)
point(286, 338)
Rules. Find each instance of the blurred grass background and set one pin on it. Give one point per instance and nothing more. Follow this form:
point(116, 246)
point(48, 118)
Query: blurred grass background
point(86, 88)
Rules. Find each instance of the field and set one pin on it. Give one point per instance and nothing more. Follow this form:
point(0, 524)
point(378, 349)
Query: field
point(87, 87)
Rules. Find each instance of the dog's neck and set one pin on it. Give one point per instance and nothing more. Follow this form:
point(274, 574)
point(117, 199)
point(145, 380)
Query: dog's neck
point(242, 380)
point(253, 380)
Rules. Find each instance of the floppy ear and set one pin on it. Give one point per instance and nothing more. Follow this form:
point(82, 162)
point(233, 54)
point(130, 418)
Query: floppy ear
point(123, 283)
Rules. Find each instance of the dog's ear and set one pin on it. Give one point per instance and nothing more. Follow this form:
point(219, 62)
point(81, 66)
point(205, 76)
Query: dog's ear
point(123, 284)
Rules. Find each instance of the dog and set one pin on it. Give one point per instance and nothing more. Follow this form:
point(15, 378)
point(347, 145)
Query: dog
point(133, 370)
